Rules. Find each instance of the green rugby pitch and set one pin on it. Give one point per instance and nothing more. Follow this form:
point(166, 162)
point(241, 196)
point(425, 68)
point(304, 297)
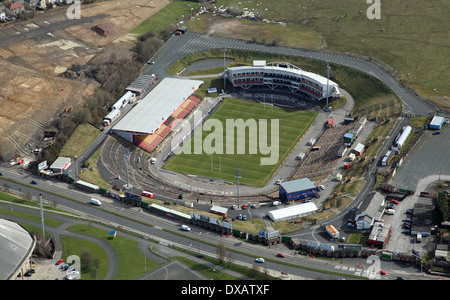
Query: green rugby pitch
point(293, 124)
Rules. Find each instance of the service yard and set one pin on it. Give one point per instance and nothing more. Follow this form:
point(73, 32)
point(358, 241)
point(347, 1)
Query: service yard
point(34, 53)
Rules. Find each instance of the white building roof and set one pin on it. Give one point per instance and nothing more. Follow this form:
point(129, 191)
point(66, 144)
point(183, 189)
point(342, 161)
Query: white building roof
point(158, 105)
point(15, 245)
point(296, 211)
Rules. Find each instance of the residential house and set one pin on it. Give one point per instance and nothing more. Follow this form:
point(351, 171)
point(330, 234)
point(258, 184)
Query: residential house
point(14, 8)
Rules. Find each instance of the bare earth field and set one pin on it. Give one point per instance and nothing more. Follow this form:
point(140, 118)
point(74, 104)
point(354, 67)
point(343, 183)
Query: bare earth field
point(34, 53)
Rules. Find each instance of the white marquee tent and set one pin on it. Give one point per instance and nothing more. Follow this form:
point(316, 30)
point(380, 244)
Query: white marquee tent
point(293, 212)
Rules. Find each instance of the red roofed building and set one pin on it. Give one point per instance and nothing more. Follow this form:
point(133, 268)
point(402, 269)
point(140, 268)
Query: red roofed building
point(14, 8)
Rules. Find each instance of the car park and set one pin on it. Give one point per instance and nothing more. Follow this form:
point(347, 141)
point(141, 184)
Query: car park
point(260, 260)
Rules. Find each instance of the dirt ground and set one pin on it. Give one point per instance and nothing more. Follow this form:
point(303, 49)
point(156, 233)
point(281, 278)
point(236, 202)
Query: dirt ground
point(32, 94)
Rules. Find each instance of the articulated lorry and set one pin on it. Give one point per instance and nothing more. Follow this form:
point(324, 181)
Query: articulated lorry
point(332, 231)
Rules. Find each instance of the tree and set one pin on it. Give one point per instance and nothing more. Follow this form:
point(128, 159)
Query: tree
point(221, 252)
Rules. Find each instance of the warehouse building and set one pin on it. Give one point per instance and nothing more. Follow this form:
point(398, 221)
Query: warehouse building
point(157, 114)
point(297, 189)
point(293, 212)
point(437, 122)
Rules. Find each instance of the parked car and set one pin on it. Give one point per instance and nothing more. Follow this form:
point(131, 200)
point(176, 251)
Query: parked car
point(395, 201)
point(260, 260)
point(406, 220)
point(382, 272)
point(436, 132)
point(244, 217)
point(151, 62)
point(390, 206)
point(60, 261)
point(244, 206)
point(239, 217)
point(401, 278)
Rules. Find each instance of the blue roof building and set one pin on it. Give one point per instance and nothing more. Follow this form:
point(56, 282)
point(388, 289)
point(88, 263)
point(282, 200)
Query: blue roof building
point(297, 189)
point(437, 122)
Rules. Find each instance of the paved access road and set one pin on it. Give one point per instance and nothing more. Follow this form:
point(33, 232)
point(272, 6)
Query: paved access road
point(179, 46)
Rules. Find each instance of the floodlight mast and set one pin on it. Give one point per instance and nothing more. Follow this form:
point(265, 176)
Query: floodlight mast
point(224, 50)
point(238, 176)
point(328, 79)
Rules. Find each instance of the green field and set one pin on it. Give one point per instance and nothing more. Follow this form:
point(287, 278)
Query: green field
point(292, 124)
point(410, 36)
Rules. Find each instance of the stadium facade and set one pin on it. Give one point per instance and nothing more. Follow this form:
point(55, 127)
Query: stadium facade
point(282, 74)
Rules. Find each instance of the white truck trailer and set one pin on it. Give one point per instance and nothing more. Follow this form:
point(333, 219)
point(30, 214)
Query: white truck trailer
point(332, 231)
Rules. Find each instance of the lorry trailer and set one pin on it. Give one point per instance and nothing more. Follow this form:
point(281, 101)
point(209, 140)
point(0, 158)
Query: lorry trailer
point(332, 231)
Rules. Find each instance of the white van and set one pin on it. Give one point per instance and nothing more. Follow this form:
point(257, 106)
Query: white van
point(95, 202)
point(276, 203)
point(419, 238)
point(390, 211)
point(185, 227)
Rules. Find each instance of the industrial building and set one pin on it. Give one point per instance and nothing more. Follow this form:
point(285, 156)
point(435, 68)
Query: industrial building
point(370, 210)
point(437, 122)
point(153, 118)
point(282, 74)
point(16, 247)
point(60, 164)
point(292, 212)
point(297, 189)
